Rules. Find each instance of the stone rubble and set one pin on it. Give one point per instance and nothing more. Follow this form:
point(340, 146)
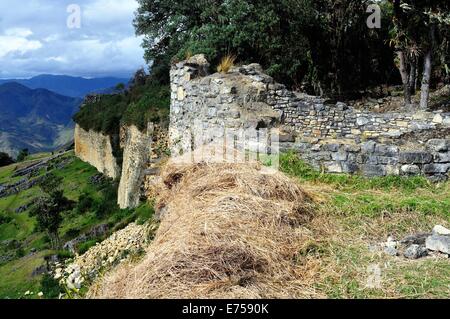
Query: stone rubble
point(418, 245)
point(123, 244)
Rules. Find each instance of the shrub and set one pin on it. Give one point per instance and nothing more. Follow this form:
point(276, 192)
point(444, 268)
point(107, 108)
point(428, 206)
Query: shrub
point(5, 159)
point(85, 203)
point(20, 252)
point(84, 247)
point(72, 233)
point(64, 254)
point(143, 213)
point(50, 287)
point(23, 155)
point(145, 101)
point(5, 219)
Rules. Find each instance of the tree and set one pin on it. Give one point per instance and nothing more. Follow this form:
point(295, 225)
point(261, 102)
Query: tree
point(120, 87)
point(23, 154)
point(5, 159)
point(324, 46)
point(267, 32)
point(418, 24)
point(49, 208)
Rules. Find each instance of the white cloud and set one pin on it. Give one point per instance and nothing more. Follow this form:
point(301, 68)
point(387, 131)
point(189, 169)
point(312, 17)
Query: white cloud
point(19, 32)
point(15, 40)
point(34, 39)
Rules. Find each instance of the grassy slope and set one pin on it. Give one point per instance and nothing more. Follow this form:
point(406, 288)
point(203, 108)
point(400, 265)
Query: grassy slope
point(16, 275)
point(354, 212)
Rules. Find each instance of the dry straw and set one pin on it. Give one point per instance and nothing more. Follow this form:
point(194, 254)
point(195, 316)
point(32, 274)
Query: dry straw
point(227, 231)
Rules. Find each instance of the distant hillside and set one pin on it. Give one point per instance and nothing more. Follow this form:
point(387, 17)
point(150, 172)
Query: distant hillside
point(39, 119)
point(69, 85)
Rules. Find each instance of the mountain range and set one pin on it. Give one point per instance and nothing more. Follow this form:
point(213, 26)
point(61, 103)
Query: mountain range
point(69, 85)
point(36, 113)
point(38, 119)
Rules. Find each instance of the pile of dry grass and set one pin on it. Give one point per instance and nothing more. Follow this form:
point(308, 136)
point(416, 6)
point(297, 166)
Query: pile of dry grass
point(227, 231)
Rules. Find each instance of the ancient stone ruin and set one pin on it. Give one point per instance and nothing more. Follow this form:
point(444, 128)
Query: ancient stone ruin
point(331, 137)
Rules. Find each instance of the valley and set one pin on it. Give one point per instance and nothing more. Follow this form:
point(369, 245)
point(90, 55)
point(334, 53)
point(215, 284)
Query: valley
point(36, 114)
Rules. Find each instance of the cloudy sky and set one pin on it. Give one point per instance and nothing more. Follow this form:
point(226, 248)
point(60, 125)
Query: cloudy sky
point(35, 38)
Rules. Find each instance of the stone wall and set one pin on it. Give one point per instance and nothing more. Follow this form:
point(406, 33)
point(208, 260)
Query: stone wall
point(136, 155)
point(96, 149)
point(333, 137)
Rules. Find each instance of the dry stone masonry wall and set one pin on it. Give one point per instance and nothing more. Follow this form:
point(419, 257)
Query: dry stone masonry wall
point(96, 149)
point(334, 137)
point(136, 155)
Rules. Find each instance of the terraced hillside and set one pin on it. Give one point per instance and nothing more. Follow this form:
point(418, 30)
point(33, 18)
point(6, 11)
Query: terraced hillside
point(24, 249)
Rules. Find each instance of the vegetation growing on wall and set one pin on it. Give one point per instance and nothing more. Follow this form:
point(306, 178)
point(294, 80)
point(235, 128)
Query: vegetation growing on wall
point(142, 102)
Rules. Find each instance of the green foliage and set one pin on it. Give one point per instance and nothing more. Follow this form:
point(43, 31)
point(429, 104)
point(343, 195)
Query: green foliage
point(5, 159)
point(84, 247)
point(323, 44)
point(106, 205)
point(48, 209)
point(50, 287)
point(85, 203)
point(5, 219)
point(64, 254)
point(144, 212)
point(51, 183)
point(145, 101)
point(103, 115)
point(23, 155)
point(20, 252)
point(151, 105)
point(71, 233)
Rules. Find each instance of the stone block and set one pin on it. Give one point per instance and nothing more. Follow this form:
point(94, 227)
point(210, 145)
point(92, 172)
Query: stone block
point(373, 170)
point(442, 157)
point(362, 121)
point(387, 160)
point(386, 150)
point(438, 145)
point(415, 158)
point(410, 169)
point(333, 167)
point(368, 147)
point(436, 168)
point(349, 167)
point(331, 147)
point(438, 243)
point(339, 156)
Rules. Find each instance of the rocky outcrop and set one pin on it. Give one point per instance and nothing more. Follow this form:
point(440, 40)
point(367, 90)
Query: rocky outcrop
point(96, 149)
point(136, 155)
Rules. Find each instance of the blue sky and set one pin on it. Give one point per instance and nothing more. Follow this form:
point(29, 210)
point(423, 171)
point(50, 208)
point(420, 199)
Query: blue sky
point(35, 39)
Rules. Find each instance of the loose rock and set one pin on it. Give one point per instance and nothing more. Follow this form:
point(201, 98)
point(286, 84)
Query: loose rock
point(438, 243)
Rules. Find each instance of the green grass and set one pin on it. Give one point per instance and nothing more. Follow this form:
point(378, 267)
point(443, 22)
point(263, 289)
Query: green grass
point(353, 212)
point(354, 194)
point(16, 274)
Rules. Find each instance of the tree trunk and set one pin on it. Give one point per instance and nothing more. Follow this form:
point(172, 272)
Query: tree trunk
point(405, 77)
point(413, 76)
point(425, 90)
